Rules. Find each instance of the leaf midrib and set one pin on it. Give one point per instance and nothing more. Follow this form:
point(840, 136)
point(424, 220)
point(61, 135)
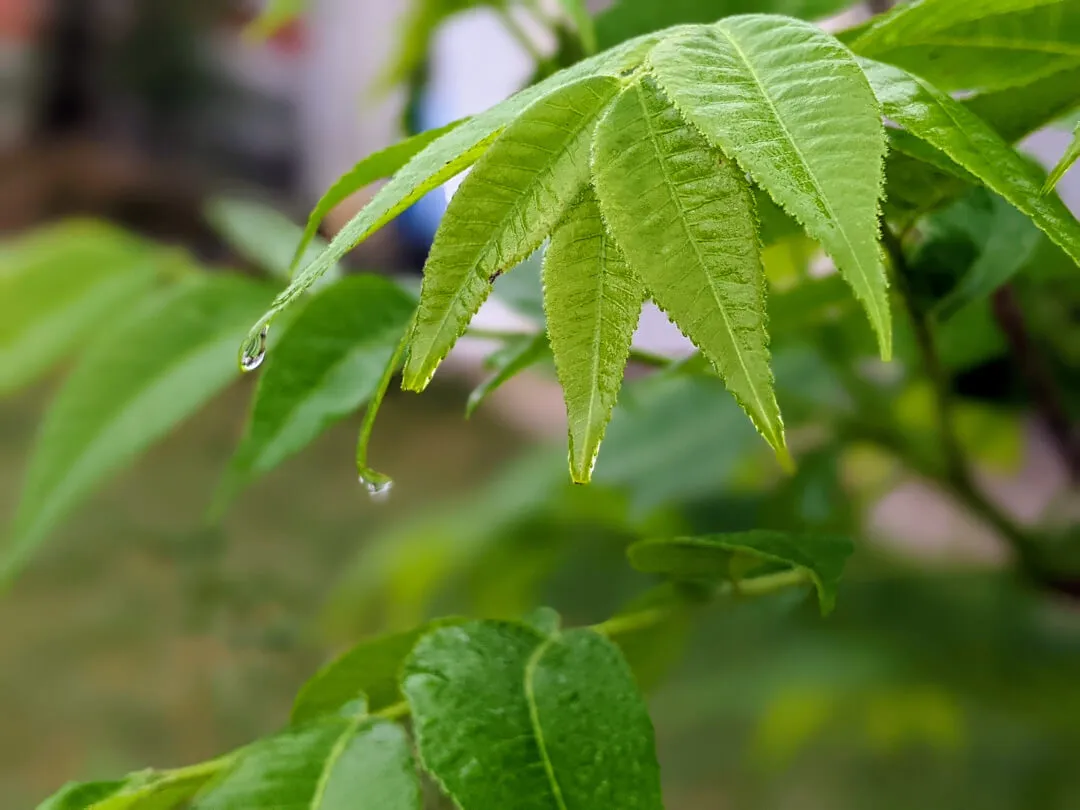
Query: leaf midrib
point(534, 719)
point(1002, 43)
point(720, 306)
point(340, 744)
point(838, 228)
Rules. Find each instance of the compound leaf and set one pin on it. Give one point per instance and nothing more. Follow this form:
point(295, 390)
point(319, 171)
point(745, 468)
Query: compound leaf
point(789, 103)
point(506, 716)
point(502, 212)
point(684, 218)
point(593, 302)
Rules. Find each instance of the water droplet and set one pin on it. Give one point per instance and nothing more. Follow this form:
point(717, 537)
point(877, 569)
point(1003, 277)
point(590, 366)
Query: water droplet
point(255, 350)
point(377, 484)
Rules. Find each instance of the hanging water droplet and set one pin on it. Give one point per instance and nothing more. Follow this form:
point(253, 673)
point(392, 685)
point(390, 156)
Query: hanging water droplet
point(255, 350)
point(378, 485)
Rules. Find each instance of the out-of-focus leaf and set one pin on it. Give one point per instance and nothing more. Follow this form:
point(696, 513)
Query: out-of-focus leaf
point(262, 235)
point(276, 14)
point(374, 167)
point(740, 557)
point(160, 365)
point(356, 762)
point(960, 46)
point(791, 106)
point(579, 15)
point(521, 288)
point(327, 364)
point(508, 717)
point(653, 648)
point(1072, 154)
point(60, 285)
point(145, 790)
point(515, 357)
point(80, 795)
point(372, 668)
point(631, 18)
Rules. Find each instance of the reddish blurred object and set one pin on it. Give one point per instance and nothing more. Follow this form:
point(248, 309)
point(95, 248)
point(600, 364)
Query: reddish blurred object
point(20, 19)
point(289, 40)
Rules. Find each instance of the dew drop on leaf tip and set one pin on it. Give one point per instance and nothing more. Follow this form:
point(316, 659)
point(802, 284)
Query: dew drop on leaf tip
point(255, 351)
point(378, 486)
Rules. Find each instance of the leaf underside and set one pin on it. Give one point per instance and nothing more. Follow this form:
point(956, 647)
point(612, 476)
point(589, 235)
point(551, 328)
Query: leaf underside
point(593, 301)
point(683, 216)
point(790, 104)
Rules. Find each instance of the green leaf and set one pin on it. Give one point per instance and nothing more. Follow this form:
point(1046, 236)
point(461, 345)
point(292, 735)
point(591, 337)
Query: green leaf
point(1072, 154)
point(157, 367)
point(276, 15)
point(443, 159)
point(966, 46)
point(359, 763)
point(684, 218)
point(1007, 241)
point(146, 790)
point(374, 167)
point(521, 288)
point(789, 103)
point(516, 356)
point(742, 557)
point(593, 302)
point(508, 717)
point(502, 212)
point(934, 116)
point(327, 364)
point(79, 796)
point(260, 234)
point(58, 286)
point(372, 667)
point(579, 15)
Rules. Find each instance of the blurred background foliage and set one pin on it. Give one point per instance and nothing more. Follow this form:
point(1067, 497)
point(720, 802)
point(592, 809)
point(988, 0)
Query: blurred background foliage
point(145, 634)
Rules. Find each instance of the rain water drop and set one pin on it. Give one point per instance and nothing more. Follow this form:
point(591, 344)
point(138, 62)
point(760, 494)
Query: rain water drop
point(377, 485)
point(255, 351)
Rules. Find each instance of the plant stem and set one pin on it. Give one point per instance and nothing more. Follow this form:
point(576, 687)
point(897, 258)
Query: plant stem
point(513, 27)
point(368, 425)
point(957, 474)
point(398, 711)
point(644, 358)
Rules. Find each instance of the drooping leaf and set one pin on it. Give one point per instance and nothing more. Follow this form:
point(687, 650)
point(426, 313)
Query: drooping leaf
point(359, 763)
point(593, 302)
point(502, 212)
point(61, 285)
point(508, 717)
point(145, 790)
point(327, 364)
point(789, 103)
point(579, 15)
point(684, 218)
point(516, 356)
point(374, 167)
point(260, 234)
point(372, 667)
point(741, 557)
point(442, 159)
point(1072, 154)
point(937, 118)
point(158, 366)
point(985, 46)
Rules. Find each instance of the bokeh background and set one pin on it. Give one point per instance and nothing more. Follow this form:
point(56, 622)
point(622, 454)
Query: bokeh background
point(140, 637)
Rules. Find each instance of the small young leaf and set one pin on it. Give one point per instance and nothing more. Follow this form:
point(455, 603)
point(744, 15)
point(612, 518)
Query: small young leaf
point(937, 118)
point(158, 366)
point(57, 286)
point(508, 717)
point(789, 103)
point(374, 167)
point(372, 667)
point(518, 355)
point(502, 212)
point(1072, 154)
point(683, 216)
point(358, 763)
point(593, 302)
point(260, 234)
point(327, 364)
point(741, 556)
